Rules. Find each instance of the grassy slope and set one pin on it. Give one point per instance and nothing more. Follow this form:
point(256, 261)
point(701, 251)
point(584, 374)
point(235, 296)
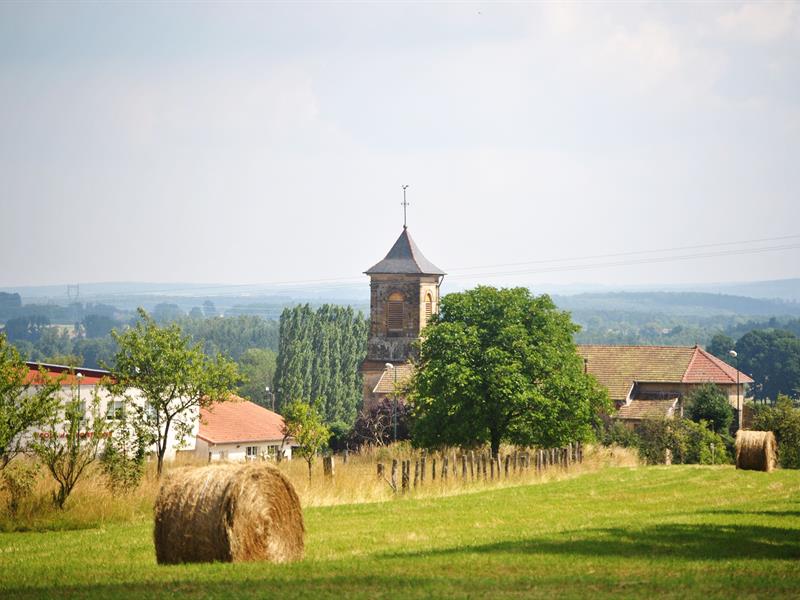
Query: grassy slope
point(671, 532)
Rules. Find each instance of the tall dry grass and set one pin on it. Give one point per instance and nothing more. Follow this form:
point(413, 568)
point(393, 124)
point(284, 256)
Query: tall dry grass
point(93, 504)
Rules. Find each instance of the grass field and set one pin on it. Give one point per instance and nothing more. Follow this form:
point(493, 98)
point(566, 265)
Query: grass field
point(673, 532)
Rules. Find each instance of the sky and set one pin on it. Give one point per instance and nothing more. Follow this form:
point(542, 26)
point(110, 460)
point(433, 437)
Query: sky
point(590, 143)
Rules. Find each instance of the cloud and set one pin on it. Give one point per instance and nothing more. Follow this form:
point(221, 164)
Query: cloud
point(761, 22)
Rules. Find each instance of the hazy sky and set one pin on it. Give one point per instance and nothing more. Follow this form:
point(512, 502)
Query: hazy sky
point(268, 142)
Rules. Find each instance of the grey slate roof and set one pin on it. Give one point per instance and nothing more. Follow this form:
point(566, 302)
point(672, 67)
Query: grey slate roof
point(405, 258)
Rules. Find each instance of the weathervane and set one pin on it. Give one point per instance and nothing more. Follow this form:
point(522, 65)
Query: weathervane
point(405, 204)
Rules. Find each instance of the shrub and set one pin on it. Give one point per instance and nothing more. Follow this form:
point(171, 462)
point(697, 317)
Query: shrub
point(709, 403)
point(688, 442)
point(616, 433)
point(375, 424)
point(124, 457)
point(18, 480)
point(783, 420)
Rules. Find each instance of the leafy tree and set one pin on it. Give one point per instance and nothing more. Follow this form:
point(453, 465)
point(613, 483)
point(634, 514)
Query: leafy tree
point(125, 453)
point(688, 442)
point(196, 313)
point(374, 425)
point(97, 326)
point(500, 365)
point(209, 310)
point(257, 366)
point(783, 420)
point(232, 336)
point(303, 423)
point(69, 443)
point(319, 355)
point(166, 312)
point(709, 403)
point(174, 378)
point(721, 345)
point(772, 357)
point(27, 328)
point(24, 403)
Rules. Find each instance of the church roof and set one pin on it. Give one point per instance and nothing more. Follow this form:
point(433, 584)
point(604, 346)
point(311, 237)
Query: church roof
point(405, 259)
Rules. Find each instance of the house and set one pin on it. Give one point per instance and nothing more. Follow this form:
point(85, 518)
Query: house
point(404, 293)
point(240, 430)
point(652, 381)
point(79, 383)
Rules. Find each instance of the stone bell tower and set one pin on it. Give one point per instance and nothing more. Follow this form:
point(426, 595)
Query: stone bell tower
point(404, 293)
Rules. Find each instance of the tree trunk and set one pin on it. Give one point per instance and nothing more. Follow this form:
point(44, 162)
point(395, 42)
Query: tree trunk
point(495, 445)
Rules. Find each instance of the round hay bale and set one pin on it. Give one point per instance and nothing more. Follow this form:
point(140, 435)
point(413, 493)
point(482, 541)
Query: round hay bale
point(228, 513)
point(755, 450)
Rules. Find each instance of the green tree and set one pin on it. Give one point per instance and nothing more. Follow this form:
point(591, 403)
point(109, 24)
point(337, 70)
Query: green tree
point(709, 403)
point(69, 443)
point(500, 365)
point(257, 366)
point(173, 376)
point(303, 423)
point(25, 403)
point(720, 345)
point(772, 358)
point(783, 420)
point(98, 326)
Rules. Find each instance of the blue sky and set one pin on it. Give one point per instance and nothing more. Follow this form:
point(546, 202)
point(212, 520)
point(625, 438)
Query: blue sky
point(247, 143)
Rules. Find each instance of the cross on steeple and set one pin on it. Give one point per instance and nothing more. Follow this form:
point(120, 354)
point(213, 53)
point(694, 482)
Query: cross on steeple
point(405, 204)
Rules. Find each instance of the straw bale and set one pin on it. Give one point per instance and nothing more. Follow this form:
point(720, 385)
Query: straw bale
point(755, 450)
point(228, 513)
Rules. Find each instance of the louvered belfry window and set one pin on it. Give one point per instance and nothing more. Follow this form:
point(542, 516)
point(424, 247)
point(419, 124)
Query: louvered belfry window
point(428, 307)
point(394, 313)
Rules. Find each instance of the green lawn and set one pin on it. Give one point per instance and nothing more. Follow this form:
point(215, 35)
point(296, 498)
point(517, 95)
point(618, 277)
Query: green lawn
point(659, 531)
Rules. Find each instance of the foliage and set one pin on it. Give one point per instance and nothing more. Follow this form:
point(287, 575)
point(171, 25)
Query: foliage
point(500, 365)
point(721, 345)
point(166, 312)
point(257, 367)
point(98, 326)
point(613, 432)
point(688, 442)
point(773, 359)
point(783, 419)
point(710, 403)
point(319, 356)
point(28, 328)
point(375, 424)
point(340, 436)
point(24, 404)
point(232, 336)
point(124, 457)
point(69, 442)
point(304, 424)
point(18, 480)
point(174, 378)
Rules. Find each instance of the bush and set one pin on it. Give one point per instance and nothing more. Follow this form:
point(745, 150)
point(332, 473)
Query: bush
point(709, 403)
point(616, 433)
point(375, 424)
point(18, 480)
point(688, 442)
point(783, 420)
point(124, 457)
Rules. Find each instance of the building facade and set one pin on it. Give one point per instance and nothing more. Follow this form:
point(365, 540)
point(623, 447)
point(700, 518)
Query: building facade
point(404, 294)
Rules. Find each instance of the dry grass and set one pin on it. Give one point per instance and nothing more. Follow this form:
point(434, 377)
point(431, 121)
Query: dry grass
point(93, 504)
point(755, 450)
point(228, 513)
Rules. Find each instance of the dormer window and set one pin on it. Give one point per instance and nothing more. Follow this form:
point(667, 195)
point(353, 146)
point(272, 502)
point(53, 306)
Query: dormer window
point(394, 312)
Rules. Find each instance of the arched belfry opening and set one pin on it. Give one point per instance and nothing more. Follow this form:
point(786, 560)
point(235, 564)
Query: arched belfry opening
point(404, 294)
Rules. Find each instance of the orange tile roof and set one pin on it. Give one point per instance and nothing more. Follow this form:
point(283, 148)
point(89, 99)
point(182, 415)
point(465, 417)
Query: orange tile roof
point(239, 420)
point(617, 367)
point(647, 409)
point(385, 384)
point(68, 375)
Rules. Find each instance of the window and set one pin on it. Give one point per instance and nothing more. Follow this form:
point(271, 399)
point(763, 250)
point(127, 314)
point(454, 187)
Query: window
point(394, 312)
point(428, 307)
point(251, 452)
point(115, 410)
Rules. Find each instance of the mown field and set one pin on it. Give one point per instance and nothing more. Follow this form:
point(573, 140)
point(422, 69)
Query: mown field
point(672, 532)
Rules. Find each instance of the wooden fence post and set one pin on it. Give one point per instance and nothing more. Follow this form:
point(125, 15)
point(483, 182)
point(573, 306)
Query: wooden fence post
point(381, 471)
point(345, 456)
point(483, 464)
point(472, 465)
point(464, 467)
point(455, 466)
point(491, 469)
point(444, 468)
point(406, 469)
point(433, 468)
point(394, 474)
point(508, 463)
point(416, 473)
point(422, 470)
point(327, 465)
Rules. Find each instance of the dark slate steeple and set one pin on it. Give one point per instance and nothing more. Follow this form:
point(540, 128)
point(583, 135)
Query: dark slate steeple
point(405, 258)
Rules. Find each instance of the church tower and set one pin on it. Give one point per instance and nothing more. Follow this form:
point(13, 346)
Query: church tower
point(404, 293)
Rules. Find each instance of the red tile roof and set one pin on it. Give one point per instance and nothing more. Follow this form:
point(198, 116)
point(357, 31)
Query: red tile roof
point(239, 420)
point(68, 375)
point(647, 409)
point(617, 367)
point(385, 384)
